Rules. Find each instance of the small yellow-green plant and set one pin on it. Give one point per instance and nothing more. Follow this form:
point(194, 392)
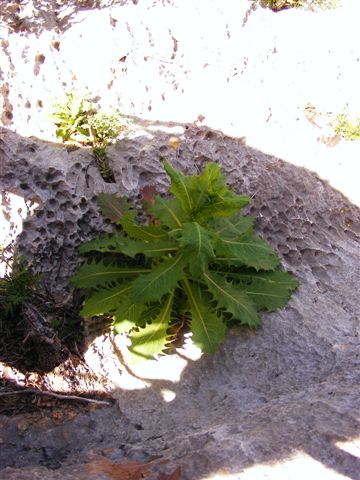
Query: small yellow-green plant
point(78, 121)
point(348, 127)
point(277, 5)
point(71, 119)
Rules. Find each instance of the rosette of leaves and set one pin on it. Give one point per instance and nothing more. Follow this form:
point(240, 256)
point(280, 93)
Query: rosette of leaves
point(196, 263)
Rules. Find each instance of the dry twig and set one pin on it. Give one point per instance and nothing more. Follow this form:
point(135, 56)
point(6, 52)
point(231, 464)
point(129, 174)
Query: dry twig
point(56, 395)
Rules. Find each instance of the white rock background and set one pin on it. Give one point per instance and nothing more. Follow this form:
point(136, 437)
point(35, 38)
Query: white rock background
point(185, 59)
point(175, 60)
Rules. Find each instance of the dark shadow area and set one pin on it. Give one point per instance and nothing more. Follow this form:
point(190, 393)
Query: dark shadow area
point(292, 387)
point(56, 16)
point(39, 334)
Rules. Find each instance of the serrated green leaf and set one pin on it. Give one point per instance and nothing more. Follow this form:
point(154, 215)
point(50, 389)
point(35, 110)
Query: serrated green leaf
point(180, 187)
point(214, 180)
point(205, 195)
point(104, 300)
point(232, 299)
point(222, 206)
point(268, 290)
point(112, 243)
point(163, 278)
point(98, 274)
point(151, 340)
point(128, 315)
point(207, 327)
point(209, 183)
point(111, 206)
point(117, 243)
point(150, 233)
point(206, 188)
point(123, 326)
point(159, 249)
point(248, 250)
point(169, 212)
point(233, 227)
point(199, 242)
point(212, 196)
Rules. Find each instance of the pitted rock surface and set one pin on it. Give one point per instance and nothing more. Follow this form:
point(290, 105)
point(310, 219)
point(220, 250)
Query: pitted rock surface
point(278, 404)
point(292, 387)
point(66, 184)
point(175, 60)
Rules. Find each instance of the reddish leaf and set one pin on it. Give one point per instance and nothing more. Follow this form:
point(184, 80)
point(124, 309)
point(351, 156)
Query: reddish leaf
point(112, 207)
point(120, 471)
point(148, 194)
point(175, 475)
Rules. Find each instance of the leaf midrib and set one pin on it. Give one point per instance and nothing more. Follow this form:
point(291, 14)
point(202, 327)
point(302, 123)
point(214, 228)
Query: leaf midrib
point(227, 294)
point(189, 292)
point(163, 315)
point(161, 274)
point(250, 275)
point(96, 274)
point(251, 244)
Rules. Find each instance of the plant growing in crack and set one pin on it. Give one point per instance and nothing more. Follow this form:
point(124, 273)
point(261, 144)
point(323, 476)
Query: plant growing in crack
point(195, 264)
point(77, 121)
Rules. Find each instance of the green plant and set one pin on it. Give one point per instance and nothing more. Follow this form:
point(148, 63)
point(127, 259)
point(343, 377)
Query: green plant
point(347, 127)
point(196, 263)
point(104, 127)
point(277, 5)
point(71, 119)
point(16, 287)
point(78, 121)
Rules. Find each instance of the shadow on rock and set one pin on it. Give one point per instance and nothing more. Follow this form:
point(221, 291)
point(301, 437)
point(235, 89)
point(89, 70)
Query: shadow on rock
point(294, 386)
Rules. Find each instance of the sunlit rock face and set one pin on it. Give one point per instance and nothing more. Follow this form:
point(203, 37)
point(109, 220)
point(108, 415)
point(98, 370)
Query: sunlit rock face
point(171, 60)
point(248, 72)
point(65, 185)
point(291, 389)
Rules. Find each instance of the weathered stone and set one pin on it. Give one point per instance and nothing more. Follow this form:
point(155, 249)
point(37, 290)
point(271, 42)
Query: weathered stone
point(294, 386)
point(291, 390)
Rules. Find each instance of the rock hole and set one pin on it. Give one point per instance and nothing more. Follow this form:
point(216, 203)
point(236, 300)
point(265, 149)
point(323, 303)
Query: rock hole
point(69, 225)
point(23, 162)
point(56, 45)
point(40, 59)
point(83, 204)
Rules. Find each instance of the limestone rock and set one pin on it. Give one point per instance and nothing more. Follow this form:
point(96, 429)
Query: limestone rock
point(283, 403)
point(292, 387)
